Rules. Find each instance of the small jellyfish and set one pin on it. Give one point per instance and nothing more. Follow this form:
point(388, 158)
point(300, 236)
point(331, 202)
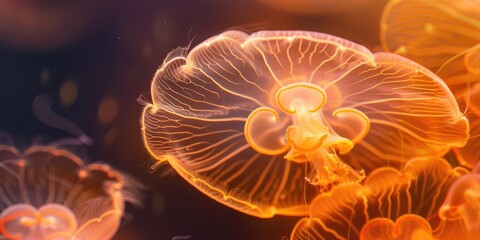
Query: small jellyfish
point(263, 122)
point(48, 193)
point(463, 203)
point(390, 204)
point(442, 35)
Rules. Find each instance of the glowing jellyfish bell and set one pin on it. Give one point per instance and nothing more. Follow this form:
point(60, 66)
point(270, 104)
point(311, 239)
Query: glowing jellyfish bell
point(263, 122)
point(48, 193)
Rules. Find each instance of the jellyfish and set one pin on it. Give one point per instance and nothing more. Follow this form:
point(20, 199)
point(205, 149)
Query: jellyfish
point(49, 193)
point(390, 204)
point(443, 36)
point(264, 122)
point(463, 203)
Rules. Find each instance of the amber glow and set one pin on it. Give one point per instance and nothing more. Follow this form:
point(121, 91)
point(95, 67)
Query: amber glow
point(408, 226)
point(266, 142)
point(470, 154)
point(264, 122)
point(474, 100)
point(442, 35)
point(49, 193)
point(390, 204)
point(463, 203)
point(308, 138)
point(472, 60)
point(21, 220)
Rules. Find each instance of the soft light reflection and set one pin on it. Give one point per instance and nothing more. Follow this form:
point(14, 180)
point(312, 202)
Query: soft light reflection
point(68, 93)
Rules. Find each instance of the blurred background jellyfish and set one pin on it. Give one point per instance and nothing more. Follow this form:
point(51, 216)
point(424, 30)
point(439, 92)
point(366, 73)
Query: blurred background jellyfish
point(48, 25)
point(443, 36)
point(263, 122)
point(48, 193)
point(390, 204)
point(463, 203)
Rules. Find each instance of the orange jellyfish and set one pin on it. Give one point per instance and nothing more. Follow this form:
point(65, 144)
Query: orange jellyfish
point(442, 35)
point(390, 204)
point(48, 193)
point(463, 204)
point(263, 122)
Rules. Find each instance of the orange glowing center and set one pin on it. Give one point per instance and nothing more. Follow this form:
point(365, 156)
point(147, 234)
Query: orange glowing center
point(304, 132)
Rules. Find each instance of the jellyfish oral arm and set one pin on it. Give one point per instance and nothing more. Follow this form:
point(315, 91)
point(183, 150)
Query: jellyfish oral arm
point(306, 136)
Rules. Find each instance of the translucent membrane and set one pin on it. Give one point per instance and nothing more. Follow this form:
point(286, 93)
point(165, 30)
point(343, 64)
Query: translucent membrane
point(408, 226)
point(442, 35)
point(472, 59)
point(469, 155)
point(264, 122)
point(463, 204)
point(48, 193)
point(390, 204)
point(51, 221)
point(474, 100)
